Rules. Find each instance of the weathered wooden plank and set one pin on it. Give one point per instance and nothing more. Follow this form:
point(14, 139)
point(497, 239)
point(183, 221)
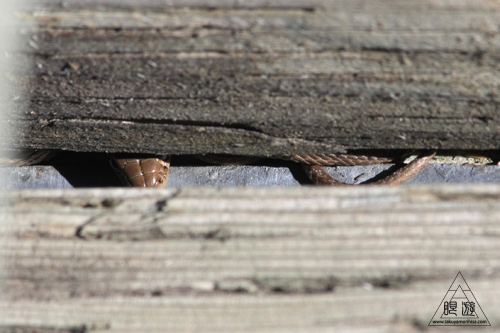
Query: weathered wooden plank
point(346, 310)
point(245, 259)
point(132, 5)
point(331, 225)
point(281, 78)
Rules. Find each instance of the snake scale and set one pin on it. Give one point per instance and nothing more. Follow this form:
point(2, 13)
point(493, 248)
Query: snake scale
point(153, 172)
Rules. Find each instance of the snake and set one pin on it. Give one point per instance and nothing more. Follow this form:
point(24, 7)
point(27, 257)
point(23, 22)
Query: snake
point(154, 171)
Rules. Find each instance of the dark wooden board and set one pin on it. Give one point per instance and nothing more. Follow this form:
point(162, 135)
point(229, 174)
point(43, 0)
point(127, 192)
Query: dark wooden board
point(266, 78)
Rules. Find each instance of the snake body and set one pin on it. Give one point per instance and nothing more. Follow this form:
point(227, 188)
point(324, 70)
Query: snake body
point(144, 172)
point(153, 172)
point(319, 176)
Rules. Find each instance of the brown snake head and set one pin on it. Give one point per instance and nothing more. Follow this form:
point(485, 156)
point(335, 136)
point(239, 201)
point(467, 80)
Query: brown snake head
point(149, 172)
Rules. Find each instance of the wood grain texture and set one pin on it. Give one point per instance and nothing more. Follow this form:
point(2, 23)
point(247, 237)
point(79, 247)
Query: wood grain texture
point(236, 259)
point(266, 78)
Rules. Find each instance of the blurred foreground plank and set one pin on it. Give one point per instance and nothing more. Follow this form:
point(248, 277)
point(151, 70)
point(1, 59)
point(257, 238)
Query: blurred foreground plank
point(245, 259)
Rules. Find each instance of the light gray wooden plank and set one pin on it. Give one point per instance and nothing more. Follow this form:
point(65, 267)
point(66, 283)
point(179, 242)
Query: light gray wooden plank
point(351, 310)
point(245, 259)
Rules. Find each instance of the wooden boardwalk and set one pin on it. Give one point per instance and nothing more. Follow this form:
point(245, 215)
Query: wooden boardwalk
point(245, 260)
point(262, 78)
